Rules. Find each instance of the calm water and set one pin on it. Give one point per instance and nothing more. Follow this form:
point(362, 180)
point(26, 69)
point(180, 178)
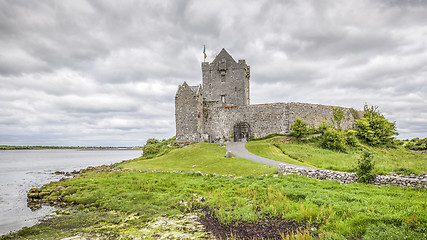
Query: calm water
point(21, 170)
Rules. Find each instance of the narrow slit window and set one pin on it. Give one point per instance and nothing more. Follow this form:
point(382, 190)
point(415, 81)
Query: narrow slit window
point(222, 77)
point(223, 99)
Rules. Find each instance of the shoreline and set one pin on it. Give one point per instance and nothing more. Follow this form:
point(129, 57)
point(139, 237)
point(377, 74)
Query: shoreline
point(34, 169)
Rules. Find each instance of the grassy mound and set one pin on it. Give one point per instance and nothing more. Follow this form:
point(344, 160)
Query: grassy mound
point(398, 160)
point(204, 157)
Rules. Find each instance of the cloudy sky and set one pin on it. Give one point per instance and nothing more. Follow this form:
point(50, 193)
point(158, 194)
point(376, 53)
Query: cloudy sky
point(105, 73)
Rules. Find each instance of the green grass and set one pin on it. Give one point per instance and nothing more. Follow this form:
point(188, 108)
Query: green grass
point(342, 211)
point(387, 160)
point(204, 157)
point(120, 204)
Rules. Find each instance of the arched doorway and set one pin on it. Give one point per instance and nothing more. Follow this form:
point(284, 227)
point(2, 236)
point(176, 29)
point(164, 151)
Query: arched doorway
point(242, 130)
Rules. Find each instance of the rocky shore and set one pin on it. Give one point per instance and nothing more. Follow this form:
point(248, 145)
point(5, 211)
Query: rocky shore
point(36, 197)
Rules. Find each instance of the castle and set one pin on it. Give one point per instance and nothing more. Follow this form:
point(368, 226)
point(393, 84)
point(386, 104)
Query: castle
point(220, 109)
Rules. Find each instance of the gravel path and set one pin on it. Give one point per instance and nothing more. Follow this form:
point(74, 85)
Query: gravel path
point(239, 150)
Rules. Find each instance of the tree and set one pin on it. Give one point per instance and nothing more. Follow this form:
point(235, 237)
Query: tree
point(299, 128)
point(374, 129)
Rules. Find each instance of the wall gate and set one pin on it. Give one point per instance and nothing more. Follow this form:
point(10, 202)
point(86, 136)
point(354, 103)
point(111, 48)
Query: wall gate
point(242, 130)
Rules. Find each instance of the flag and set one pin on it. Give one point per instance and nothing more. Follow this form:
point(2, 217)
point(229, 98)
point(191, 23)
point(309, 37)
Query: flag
point(204, 52)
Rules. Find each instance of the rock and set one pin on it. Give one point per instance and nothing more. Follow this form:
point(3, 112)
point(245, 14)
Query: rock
point(228, 154)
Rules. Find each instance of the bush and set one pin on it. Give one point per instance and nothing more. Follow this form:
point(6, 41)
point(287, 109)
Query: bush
point(154, 148)
point(333, 139)
point(351, 139)
point(374, 129)
point(299, 129)
point(417, 144)
point(152, 141)
point(323, 127)
point(365, 167)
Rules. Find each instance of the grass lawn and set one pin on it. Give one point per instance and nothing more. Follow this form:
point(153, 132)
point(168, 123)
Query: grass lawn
point(340, 211)
point(397, 160)
point(204, 157)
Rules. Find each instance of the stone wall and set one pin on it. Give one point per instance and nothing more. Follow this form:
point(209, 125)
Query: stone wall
point(188, 114)
point(313, 114)
point(346, 178)
point(266, 119)
point(263, 119)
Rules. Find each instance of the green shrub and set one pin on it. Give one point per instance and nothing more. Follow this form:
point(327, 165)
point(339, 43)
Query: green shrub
point(312, 130)
point(417, 144)
point(374, 129)
point(154, 148)
point(351, 139)
point(151, 141)
point(333, 139)
point(299, 129)
point(323, 126)
point(365, 167)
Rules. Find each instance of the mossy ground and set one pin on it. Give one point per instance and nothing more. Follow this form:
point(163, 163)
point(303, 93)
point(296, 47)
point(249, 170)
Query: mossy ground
point(127, 204)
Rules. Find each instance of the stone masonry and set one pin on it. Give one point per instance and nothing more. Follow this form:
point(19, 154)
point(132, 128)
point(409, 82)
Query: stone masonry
point(220, 109)
point(346, 178)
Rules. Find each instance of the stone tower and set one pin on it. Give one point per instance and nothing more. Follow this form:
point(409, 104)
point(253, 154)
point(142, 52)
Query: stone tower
point(188, 113)
point(226, 81)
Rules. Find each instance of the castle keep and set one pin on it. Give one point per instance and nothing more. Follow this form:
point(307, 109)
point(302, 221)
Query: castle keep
point(220, 107)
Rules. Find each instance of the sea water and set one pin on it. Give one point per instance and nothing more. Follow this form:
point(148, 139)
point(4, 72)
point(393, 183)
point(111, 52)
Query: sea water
point(20, 170)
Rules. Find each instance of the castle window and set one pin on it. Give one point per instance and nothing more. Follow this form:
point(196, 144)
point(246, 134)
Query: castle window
point(223, 99)
point(222, 78)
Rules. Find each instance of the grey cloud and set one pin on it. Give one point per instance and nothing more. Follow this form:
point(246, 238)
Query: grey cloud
point(105, 73)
